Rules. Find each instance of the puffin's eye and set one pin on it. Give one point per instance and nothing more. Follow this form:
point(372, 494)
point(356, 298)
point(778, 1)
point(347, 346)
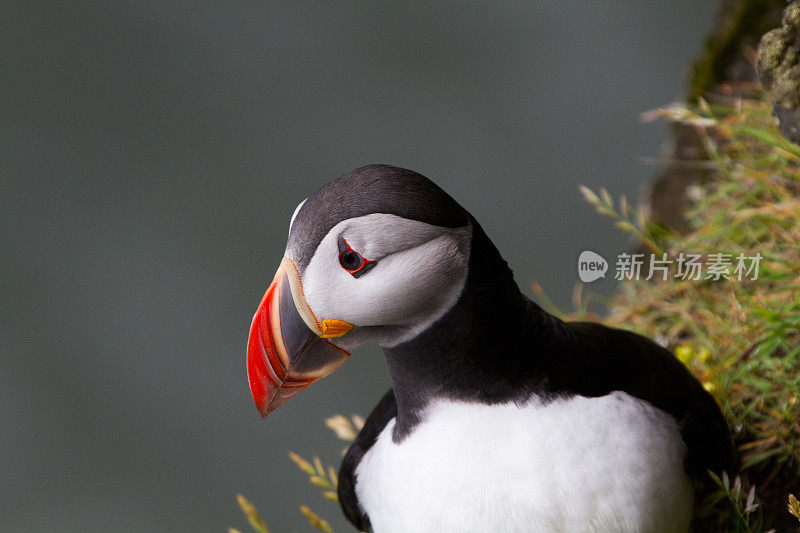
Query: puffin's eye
point(352, 260)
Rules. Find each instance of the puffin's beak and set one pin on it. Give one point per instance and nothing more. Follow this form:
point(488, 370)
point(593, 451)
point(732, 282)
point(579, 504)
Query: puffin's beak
point(287, 350)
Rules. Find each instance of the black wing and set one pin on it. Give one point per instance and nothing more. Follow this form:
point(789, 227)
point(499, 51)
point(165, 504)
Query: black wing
point(377, 420)
point(613, 359)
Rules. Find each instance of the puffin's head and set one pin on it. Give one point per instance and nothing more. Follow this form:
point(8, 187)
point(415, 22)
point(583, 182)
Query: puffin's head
point(376, 256)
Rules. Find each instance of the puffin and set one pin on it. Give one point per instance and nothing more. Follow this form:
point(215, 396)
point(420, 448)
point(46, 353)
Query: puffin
point(500, 416)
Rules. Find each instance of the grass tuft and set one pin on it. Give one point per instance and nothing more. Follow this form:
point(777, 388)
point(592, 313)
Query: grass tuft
point(740, 338)
point(744, 512)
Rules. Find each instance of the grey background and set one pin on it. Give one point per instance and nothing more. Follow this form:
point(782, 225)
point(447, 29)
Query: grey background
point(151, 154)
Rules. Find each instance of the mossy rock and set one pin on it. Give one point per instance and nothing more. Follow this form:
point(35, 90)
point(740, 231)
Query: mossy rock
point(779, 71)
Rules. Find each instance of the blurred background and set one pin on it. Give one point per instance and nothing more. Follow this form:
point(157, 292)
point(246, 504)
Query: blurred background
point(151, 154)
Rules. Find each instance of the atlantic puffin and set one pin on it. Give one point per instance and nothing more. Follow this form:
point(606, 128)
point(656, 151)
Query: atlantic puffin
point(501, 417)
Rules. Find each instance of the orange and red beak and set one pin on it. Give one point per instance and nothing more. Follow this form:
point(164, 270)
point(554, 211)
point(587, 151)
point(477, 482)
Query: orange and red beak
point(288, 348)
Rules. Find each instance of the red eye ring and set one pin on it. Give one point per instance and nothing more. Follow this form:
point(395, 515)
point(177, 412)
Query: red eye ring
point(352, 261)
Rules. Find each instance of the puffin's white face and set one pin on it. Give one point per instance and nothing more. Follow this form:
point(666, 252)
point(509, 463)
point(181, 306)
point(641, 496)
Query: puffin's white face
point(413, 273)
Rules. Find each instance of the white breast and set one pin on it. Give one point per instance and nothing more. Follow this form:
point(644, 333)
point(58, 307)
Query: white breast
point(613, 463)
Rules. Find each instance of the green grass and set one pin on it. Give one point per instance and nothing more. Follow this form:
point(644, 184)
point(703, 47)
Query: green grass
point(741, 339)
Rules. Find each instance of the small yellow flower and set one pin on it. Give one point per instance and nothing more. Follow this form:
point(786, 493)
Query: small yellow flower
point(683, 353)
point(710, 387)
point(704, 355)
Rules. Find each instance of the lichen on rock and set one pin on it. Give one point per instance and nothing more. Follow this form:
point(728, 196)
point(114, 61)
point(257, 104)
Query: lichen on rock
point(779, 71)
